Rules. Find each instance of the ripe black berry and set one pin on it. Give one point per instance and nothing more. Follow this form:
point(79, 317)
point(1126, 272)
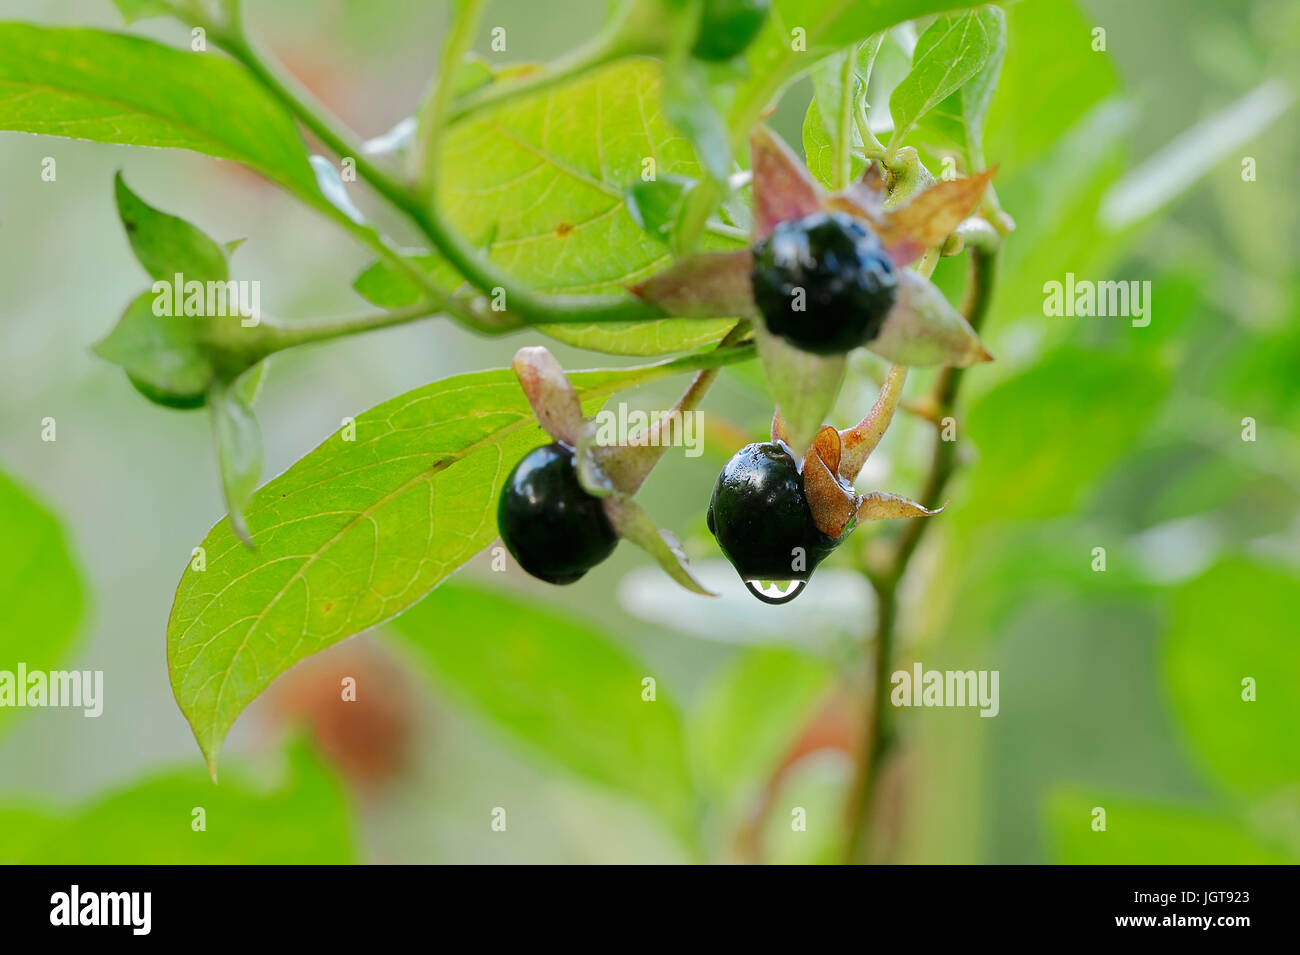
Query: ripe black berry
point(728, 27)
point(554, 528)
point(846, 279)
point(761, 518)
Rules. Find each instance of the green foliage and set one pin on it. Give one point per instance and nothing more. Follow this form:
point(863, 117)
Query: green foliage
point(574, 152)
point(750, 715)
point(811, 795)
point(779, 54)
point(1143, 832)
point(162, 355)
point(112, 88)
point(1052, 81)
point(165, 355)
point(40, 586)
point(306, 821)
point(819, 148)
point(354, 533)
point(952, 51)
point(239, 452)
point(1228, 626)
point(165, 244)
point(957, 122)
point(560, 686)
point(384, 285)
point(1065, 437)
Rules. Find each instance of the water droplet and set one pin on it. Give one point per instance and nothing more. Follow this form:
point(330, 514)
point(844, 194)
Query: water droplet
point(776, 591)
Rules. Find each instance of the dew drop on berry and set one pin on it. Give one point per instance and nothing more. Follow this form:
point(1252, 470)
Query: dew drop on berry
point(776, 591)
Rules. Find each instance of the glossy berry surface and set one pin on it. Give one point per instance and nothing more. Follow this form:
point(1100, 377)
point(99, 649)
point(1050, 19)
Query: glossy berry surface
point(727, 27)
point(823, 283)
point(759, 516)
point(554, 528)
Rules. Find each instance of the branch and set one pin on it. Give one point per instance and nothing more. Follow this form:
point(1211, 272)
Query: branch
point(885, 580)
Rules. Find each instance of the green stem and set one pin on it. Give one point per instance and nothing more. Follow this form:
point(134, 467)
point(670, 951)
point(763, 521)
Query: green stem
point(636, 32)
point(278, 335)
point(886, 578)
point(431, 117)
point(843, 170)
point(312, 114)
point(524, 306)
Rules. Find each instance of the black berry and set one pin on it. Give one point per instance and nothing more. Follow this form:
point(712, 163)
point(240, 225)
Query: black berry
point(554, 528)
point(727, 27)
point(761, 518)
point(823, 282)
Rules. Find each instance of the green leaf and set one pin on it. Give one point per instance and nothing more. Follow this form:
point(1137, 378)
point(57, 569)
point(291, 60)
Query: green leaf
point(1051, 73)
point(1064, 438)
point(354, 533)
point(803, 385)
point(306, 821)
point(952, 50)
point(779, 53)
point(545, 178)
point(161, 354)
point(750, 715)
point(813, 793)
point(1145, 832)
point(114, 88)
point(958, 121)
point(832, 114)
point(689, 104)
point(819, 149)
point(40, 587)
point(384, 285)
point(1233, 623)
point(22, 827)
point(165, 244)
point(560, 686)
point(656, 205)
point(239, 452)
point(133, 10)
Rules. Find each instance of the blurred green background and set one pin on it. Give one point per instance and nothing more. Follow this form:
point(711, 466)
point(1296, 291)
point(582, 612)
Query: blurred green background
point(1119, 689)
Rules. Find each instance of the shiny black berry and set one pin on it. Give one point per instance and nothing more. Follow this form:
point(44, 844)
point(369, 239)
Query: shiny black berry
point(554, 528)
point(761, 518)
point(728, 27)
point(823, 282)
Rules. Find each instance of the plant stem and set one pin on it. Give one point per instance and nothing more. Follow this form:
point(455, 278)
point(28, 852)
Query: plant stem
point(431, 118)
point(887, 577)
point(844, 125)
point(524, 306)
point(635, 32)
point(279, 335)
